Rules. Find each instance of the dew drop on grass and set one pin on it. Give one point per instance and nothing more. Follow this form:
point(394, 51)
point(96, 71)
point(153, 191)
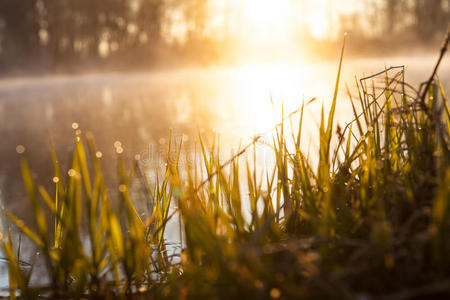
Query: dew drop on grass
point(98, 154)
point(137, 157)
point(75, 125)
point(379, 165)
point(119, 150)
point(20, 149)
point(72, 172)
point(117, 144)
point(275, 293)
point(55, 179)
point(122, 188)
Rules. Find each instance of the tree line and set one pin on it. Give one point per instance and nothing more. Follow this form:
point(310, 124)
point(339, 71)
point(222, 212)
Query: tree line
point(422, 21)
point(63, 33)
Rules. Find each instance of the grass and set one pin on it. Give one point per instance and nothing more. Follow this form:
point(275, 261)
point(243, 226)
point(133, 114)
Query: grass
point(371, 219)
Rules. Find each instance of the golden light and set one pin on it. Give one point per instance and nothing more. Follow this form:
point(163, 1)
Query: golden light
point(269, 88)
point(318, 19)
point(275, 20)
point(268, 20)
point(319, 27)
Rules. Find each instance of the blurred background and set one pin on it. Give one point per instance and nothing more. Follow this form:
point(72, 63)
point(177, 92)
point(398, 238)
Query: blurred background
point(132, 71)
point(82, 35)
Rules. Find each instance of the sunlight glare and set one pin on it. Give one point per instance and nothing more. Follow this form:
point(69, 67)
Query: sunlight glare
point(268, 19)
point(318, 19)
point(264, 82)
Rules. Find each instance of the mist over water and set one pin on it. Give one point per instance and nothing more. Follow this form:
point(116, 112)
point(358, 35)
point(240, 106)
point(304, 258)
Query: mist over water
point(141, 109)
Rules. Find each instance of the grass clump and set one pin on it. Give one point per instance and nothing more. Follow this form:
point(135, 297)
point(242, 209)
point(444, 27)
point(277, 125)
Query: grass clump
point(372, 218)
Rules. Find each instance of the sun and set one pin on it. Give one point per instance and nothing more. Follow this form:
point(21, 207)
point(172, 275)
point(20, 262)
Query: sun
point(276, 22)
point(318, 19)
point(265, 11)
point(268, 20)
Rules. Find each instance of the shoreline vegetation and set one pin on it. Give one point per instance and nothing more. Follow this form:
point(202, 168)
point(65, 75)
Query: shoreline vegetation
point(370, 220)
